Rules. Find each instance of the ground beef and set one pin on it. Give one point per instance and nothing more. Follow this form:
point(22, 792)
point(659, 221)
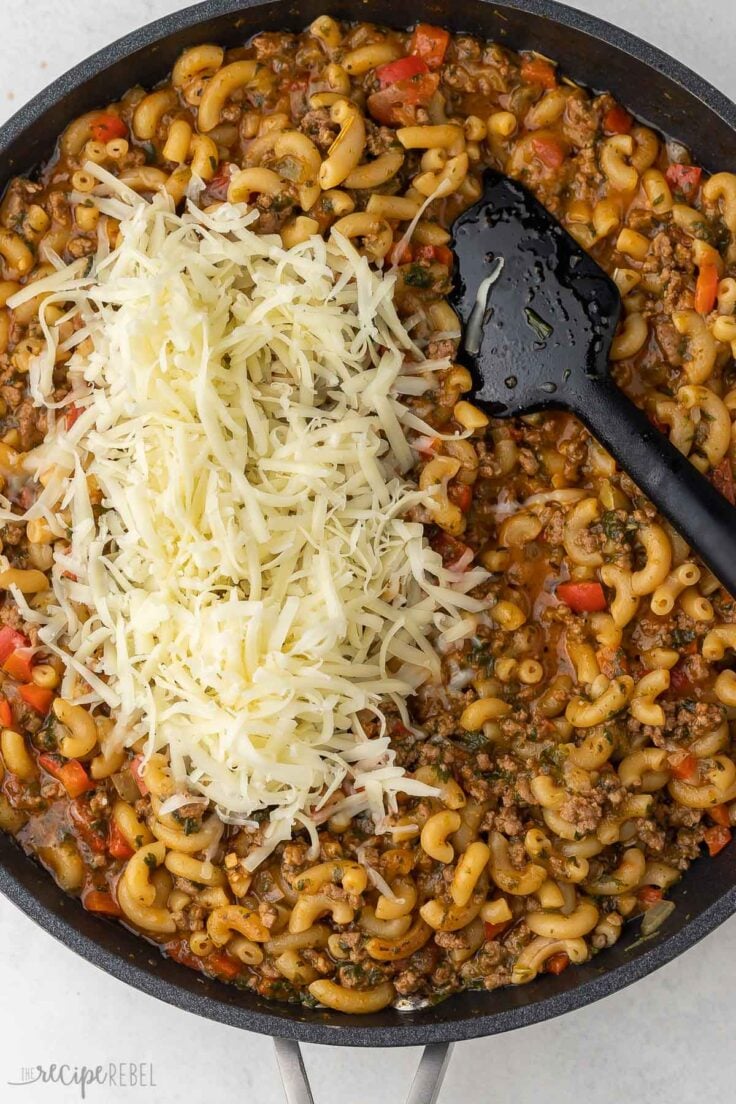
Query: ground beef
point(318, 126)
point(19, 195)
point(380, 139)
point(580, 122)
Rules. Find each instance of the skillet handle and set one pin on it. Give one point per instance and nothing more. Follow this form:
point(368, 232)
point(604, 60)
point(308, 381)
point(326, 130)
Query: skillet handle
point(425, 1088)
point(697, 510)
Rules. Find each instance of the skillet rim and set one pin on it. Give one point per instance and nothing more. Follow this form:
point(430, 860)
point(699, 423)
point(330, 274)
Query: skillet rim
point(332, 1028)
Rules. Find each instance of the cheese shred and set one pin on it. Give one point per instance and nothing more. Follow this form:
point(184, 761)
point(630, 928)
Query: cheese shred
point(242, 585)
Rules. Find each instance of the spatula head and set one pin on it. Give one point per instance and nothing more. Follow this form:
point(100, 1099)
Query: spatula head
point(536, 308)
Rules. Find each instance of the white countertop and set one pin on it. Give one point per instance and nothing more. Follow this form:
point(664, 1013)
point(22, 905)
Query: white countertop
point(669, 1038)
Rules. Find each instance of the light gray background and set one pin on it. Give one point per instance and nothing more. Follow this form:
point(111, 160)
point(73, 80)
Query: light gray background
point(670, 1038)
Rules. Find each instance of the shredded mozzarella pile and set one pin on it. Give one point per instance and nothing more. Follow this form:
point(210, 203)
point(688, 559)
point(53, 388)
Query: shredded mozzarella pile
point(251, 585)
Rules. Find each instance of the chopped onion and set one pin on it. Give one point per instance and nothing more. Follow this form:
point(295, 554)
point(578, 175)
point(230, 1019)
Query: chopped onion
point(126, 786)
point(655, 916)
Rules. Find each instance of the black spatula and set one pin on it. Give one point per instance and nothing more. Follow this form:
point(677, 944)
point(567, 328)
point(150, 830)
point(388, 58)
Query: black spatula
point(539, 316)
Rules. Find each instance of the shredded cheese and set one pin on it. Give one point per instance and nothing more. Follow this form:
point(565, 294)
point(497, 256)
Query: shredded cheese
point(251, 587)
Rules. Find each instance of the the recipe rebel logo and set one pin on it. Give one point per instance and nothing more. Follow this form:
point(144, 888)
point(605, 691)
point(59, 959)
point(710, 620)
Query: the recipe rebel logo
point(110, 1075)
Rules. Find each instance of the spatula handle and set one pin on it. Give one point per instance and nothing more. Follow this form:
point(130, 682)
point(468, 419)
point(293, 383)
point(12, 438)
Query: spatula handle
point(680, 492)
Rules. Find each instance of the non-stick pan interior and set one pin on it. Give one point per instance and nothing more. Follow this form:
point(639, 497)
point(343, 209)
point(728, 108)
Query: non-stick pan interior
point(655, 88)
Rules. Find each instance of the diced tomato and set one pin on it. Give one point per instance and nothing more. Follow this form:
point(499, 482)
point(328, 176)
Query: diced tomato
point(401, 254)
point(71, 414)
point(430, 43)
point(722, 479)
point(439, 253)
point(685, 769)
point(397, 105)
point(10, 639)
point(556, 963)
point(222, 965)
point(18, 664)
point(685, 179)
point(71, 774)
point(105, 127)
point(716, 839)
point(88, 825)
point(400, 70)
point(680, 681)
point(535, 70)
point(117, 844)
point(461, 494)
point(449, 548)
point(649, 895)
point(96, 900)
point(38, 697)
point(136, 770)
point(6, 713)
point(492, 930)
point(582, 597)
point(550, 151)
point(617, 121)
point(720, 814)
point(706, 289)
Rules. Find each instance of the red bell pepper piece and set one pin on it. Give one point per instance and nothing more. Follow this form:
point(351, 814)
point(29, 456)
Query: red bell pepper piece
point(706, 289)
point(617, 120)
point(684, 769)
point(88, 825)
point(10, 639)
point(6, 713)
point(397, 105)
point(117, 844)
point(649, 895)
point(96, 900)
point(38, 697)
point(430, 43)
point(222, 965)
point(582, 597)
point(18, 664)
point(399, 70)
point(71, 774)
point(550, 151)
point(181, 952)
point(720, 814)
point(535, 70)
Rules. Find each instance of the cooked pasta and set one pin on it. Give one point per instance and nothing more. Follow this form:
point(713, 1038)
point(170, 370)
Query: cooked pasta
point(575, 752)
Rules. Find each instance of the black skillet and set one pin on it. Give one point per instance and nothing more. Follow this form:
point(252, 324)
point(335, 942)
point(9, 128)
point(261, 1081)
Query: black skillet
point(658, 90)
point(540, 316)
